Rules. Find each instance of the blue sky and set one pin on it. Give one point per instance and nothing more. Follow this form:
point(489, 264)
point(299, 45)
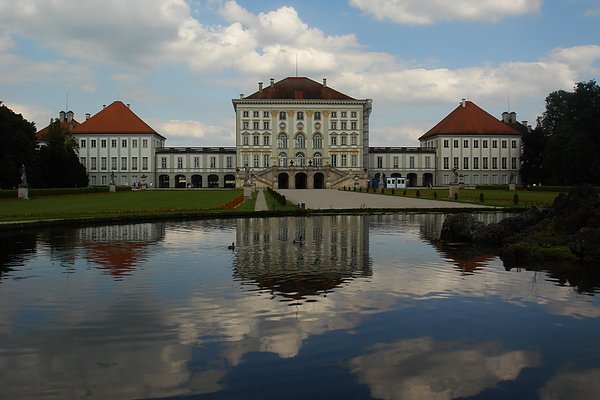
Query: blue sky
point(179, 63)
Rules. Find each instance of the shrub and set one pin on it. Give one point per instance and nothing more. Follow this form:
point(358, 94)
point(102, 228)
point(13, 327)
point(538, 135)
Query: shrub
point(382, 190)
point(404, 192)
point(393, 192)
point(516, 199)
point(435, 195)
point(455, 196)
point(418, 193)
point(481, 197)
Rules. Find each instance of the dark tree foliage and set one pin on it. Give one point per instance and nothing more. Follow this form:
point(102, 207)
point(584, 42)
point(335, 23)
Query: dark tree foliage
point(57, 163)
point(17, 146)
point(534, 145)
point(571, 127)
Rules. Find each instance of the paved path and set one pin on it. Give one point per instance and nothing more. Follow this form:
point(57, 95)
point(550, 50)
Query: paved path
point(320, 199)
point(261, 202)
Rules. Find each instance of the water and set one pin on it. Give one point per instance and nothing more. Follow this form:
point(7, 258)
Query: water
point(365, 307)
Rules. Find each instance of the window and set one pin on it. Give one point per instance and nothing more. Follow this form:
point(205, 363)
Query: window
point(93, 143)
point(256, 140)
point(282, 141)
point(196, 162)
point(344, 140)
point(354, 160)
point(344, 160)
point(123, 162)
point(82, 143)
point(113, 143)
point(513, 144)
point(494, 144)
point(179, 162)
point(282, 159)
point(245, 114)
point(255, 114)
point(163, 162)
point(93, 163)
point(300, 142)
point(255, 125)
point(265, 114)
point(103, 143)
point(317, 141)
point(255, 160)
point(344, 125)
point(229, 161)
point(317, 115)
point(379, 162)
point(266, 140)
point(245, 125)
point(446, 143)
point(476, 144)
point(103, 163)
point(245, 141)
point(333, 125)
point(354, 140)
point(513, 163)
point(485, 145)
point(476, 163)
point(395, 161)
point(455, 162)
point(344, 114)
point(246, 159)
point(353, 114)
point(334, 140)
point(317, 159)
point(145, 143)
point(411, 162)
point(465, 144)
point(455, 144)
point(334, 114)
point(266, 125)
point(494, 162)
point(265, 160)
point(300, 159)
point(82, 161)
point(134, 165)
point(123, 143)
point(465, 162)
point(113, 163)
point(334, 160)
point(446, 163)
point(93, 180)
point(282, 116)
point(503, 163)
point(428, 162)
point(485, 163)
point(504, 144)
point(134, 143)
point(300, 115)
point(353, 125)
point(144, 163)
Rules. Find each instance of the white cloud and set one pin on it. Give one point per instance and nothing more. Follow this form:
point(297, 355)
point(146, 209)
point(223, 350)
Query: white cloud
point(186, 132)
point(420, 12)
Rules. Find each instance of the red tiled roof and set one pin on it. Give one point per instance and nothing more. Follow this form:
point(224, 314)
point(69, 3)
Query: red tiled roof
point(470, 120)
point(298, 88)
point(114, 119)
point(65, 125)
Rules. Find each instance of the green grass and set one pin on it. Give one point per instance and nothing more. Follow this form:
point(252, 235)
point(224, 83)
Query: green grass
point(106, 205)
point(495, 198)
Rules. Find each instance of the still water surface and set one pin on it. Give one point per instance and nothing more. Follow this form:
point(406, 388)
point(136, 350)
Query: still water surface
point(364, 307)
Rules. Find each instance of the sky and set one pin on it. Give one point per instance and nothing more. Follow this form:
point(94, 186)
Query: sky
point(180, 63)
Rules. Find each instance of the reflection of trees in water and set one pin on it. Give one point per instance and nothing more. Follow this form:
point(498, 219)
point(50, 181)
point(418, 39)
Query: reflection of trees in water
point(14, 249)
point(297, 257)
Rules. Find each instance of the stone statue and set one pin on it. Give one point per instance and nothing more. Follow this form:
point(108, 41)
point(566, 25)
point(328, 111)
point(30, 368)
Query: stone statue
point(112, 178)
point(455, 173)
point(23, 175)
point(246, 174)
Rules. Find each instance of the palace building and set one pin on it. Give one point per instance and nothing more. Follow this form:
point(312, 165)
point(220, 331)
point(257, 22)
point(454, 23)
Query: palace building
point(299, 134)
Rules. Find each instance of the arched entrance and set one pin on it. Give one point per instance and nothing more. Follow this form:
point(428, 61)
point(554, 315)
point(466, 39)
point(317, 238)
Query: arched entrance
point(300, 180)
point(375, 180)
point(197, 181)
point(283, 181)
point(213, 181)
point(163, 181)
point(411, 180)
point(428, 180)
point(319, 181)
point(396, 175)
point(229, 181)
point(180, 181)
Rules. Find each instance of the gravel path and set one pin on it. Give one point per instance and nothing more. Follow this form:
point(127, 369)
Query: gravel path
point(319, 199)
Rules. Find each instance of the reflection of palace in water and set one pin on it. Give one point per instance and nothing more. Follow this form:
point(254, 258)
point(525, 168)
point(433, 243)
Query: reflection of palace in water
point(299, 256)
point(119, 248)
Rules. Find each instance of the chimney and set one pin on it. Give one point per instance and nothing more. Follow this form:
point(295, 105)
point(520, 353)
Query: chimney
point(51, 120)
point(62, 116)
point(103, 106)
point(324, 82)
point(513, 117)
point(241, 95)
point(505, 117)
point(463, 102)
point(69, 116)
point(260, 87)
point(128, 105)
point(272, 82)
point(87, 116)
point(524, 123)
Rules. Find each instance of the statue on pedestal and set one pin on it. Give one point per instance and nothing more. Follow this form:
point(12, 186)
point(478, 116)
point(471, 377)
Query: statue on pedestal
point(23, 175)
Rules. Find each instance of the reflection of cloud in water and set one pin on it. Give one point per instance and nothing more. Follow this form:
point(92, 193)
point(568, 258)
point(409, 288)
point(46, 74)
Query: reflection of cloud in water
point(423, 368)
point(580, 385)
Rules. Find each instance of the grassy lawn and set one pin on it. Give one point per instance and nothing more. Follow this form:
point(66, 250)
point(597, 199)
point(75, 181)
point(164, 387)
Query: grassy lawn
point(102, 205)
point(496, 198)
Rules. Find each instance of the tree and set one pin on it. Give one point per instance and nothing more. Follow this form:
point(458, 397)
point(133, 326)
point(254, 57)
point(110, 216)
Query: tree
point(17, 146)
point(57, 163)
point(534, 145)
point(571, 128)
